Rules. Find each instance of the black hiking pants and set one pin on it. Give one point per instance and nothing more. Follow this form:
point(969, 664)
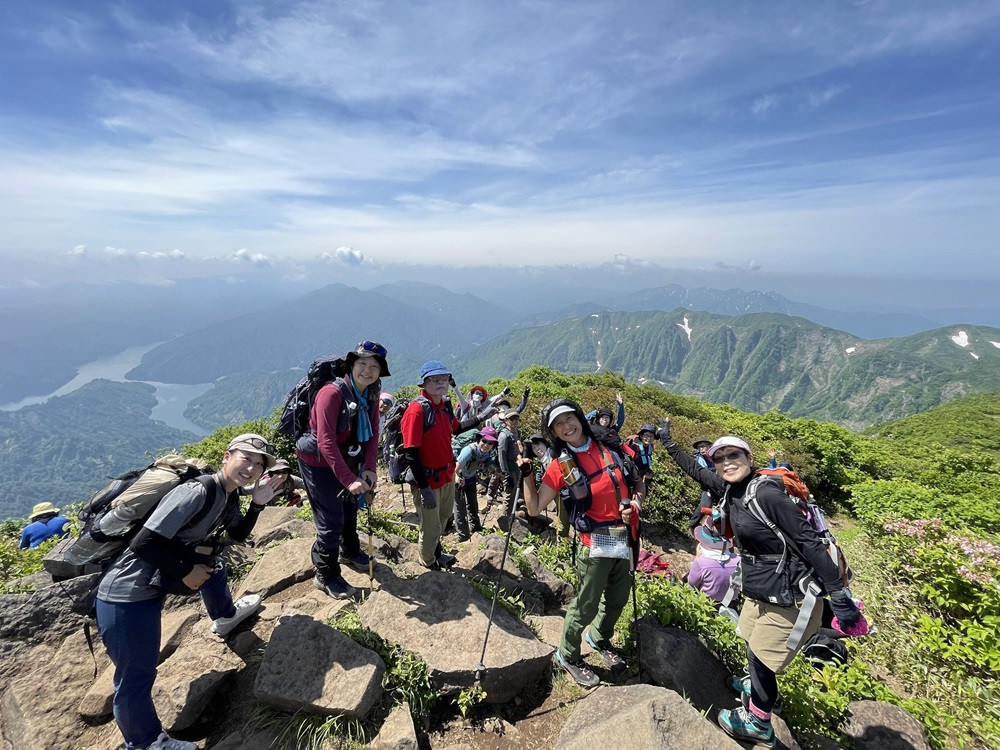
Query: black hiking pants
point(335, 512)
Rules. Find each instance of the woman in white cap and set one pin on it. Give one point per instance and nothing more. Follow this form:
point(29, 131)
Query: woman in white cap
point(781, 555)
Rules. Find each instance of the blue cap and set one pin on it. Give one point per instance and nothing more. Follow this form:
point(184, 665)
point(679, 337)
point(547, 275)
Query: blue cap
point(434, 367)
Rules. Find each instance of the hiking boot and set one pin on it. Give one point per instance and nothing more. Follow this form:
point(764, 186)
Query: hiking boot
point(245, 606)
point(445, 560)
point(358, 561)
point(581, 673)
point(741, 686)
point(612, 658)
point(337, 587)
point(166, 742)
point(740, 724)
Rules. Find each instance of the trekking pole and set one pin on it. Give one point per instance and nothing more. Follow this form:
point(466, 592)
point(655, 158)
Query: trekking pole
point(371, 544)
point(481, 666)
point(633, 563)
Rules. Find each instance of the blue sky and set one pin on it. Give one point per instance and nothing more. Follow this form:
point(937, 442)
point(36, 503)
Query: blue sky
point(188, 138)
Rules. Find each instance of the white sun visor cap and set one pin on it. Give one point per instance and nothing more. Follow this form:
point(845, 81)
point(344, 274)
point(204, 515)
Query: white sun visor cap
point(729, 441)
point(564, 409)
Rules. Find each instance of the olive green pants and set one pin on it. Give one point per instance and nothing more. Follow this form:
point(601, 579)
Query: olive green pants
point(433, 520)
point(600, 598)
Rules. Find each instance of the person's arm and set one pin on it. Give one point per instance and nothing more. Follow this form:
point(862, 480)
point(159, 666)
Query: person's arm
point(167, 555)
point(244, 526)
point(621, 411)
point(696, 575)
point(774, 461)
point(524, 399)
point(25, 541)
point(790, 520)
point(590, 414)
point(503, 445)
point(538, 497)
point(463, 406)
point(325, 412)
point(706, 478)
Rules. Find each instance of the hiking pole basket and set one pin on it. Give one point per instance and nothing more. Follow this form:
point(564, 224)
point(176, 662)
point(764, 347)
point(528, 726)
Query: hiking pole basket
point(481, 666)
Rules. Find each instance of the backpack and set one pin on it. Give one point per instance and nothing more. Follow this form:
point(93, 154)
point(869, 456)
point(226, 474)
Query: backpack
point(794, 485)
point(392, 430)
point(578, 517)
point(294, 420)
point(115, 513)
point(822, 651)
point(462, 439)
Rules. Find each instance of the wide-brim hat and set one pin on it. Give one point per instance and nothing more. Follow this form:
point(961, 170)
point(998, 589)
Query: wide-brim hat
point(42, 509)
point(369, 349)
point(701, 441)
point(709, 539)
point(432, 367)
point(251, 442)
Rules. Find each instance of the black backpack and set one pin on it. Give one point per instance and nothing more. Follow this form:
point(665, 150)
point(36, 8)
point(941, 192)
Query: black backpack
point(294, 421)
point(392, 434)
point(822, 651)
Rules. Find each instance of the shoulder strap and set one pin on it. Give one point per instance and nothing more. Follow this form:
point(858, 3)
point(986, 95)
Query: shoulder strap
point(208, 482)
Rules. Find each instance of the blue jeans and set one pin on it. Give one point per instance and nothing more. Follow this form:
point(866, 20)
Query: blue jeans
point(335, 512)
point(131, 634)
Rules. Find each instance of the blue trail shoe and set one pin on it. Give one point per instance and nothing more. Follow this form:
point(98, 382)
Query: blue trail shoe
point(740, 724)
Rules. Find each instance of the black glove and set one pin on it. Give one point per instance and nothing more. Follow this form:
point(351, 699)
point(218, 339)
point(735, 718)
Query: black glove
point(451, 381)
point(427, 499)
point(665, 433)
point(527, 391)
point(526, 469)
point(845, 609)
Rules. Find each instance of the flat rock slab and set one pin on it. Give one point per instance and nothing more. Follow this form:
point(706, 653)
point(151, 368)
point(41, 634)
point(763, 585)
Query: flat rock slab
point(678, 660)
point(310, 666)
point(442, 619)
point(397, 732)
point(34, 707)
point(280, 567)
point(190, 678)
point(45, 615)
point(249, 739)
point(640, 716)
point(881, 726)
point(174, 626)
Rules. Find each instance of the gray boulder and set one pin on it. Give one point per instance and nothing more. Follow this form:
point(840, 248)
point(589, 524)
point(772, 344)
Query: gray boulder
point(44, 616)
point(310, 666)
point(678, 660)
point(555, 590)
point(249, 738)
point(640, 716)
point(189, 679)
point(278, 523)
point(397, 732)
point(280, 567)
point(881, 726)
point(442, 619)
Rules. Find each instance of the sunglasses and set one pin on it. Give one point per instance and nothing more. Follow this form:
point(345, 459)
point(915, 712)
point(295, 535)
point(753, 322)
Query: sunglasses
point(371, 346)
point(724, 458)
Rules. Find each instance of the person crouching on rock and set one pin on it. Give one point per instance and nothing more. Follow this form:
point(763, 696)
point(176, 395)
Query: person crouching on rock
point(605, 515)
point(427, 426)
point(173, 553)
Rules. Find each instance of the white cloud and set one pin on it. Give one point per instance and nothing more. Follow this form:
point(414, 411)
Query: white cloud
point(346, 255)
point(764, 104)
point(246, 256)
point(819, 98)
point(79, 250)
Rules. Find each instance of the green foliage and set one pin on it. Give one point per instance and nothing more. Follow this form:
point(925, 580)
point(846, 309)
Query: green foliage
point(17, 563)
point(970, 425)
point(469, 698)
point(212, 448)
point(512, 603)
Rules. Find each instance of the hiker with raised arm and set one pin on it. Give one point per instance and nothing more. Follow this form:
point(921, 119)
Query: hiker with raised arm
point(427, 426)
point(606, 418)
point(176, 552)
point(784, 569)
point(337, 458)
point(605, 503)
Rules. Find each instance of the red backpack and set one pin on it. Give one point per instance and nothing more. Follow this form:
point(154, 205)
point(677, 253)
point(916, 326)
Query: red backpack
point(794, 485)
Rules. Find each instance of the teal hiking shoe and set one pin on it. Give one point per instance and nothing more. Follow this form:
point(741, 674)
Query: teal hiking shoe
point(741, 686)
point(740, 724)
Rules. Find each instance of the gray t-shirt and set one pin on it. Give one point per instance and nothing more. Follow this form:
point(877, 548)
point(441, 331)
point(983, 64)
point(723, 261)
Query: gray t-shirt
point(128, 578)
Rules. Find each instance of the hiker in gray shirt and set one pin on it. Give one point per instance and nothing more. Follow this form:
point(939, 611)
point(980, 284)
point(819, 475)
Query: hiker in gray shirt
point(174, 552)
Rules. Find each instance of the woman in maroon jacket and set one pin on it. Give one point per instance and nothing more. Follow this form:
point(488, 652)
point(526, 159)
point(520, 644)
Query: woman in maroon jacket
point(337, 461)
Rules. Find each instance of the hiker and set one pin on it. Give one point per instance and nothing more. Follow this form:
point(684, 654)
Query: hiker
point(508, 451)
point(640, 448)
point(43, 523)
point(608, 526)
point(541, 449)
point(765, 551)
point(605, 417)
point(427, 445)
point(292, 484)
point(714, 563)
point(700, 454)
point(479, 401)
point(170, 554)
point(773, 455)
point(337, 458)
point(472, 459)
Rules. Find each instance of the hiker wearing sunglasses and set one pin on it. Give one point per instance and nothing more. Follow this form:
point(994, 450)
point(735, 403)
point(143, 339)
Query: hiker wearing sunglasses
point(784, 568)
point(339, 468)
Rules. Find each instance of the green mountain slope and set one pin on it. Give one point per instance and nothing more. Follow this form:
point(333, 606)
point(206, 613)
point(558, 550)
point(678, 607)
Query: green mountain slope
point(966, 424)
point(66, 448)
point(759, 361)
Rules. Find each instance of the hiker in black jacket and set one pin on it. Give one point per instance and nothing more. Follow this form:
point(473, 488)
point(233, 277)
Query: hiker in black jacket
point(777, 615)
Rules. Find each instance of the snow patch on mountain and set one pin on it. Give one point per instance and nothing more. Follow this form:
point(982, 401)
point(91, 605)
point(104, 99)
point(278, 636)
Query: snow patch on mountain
point(850, 350)
point(961, 338)
point(685, 326)
point(974, 355)
point(996, 344)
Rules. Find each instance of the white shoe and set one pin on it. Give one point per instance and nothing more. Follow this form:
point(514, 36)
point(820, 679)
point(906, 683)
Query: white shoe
point(222, 627)
point(166, 742)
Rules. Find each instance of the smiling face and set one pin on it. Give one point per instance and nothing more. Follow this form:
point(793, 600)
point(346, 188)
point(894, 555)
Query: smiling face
point(567, 428)
point(240, 469)
point(647, 437)
point(365, 371)
point(732, 464)
point(604, 420)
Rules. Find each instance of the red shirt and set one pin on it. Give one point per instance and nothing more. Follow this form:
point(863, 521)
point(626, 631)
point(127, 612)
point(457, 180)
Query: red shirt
point(434, 444)
point(604, 506)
